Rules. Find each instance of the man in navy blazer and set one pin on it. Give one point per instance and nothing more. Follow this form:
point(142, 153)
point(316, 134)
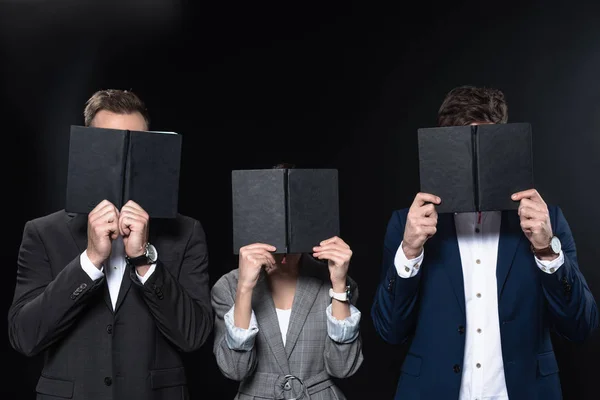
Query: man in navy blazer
point(479, 293)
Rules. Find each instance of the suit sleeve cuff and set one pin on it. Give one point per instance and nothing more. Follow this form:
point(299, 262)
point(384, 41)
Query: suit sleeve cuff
point(552, 266)
point(89, 267)
point(147, 275)
point(343, 330)
point(407, 268)
point(238, 338)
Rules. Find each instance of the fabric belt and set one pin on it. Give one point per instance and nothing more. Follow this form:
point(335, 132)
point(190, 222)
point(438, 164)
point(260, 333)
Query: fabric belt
point(284, 387)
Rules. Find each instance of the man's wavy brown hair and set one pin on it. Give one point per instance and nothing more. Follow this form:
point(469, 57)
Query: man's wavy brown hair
point(465, 105)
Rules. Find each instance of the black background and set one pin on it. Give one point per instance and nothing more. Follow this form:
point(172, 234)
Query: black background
point(336, 85)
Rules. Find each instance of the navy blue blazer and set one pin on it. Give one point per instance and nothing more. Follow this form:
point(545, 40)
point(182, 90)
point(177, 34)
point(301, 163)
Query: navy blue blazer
point(429, 308)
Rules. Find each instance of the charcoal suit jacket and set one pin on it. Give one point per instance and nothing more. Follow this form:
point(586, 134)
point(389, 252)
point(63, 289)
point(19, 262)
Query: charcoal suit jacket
point(90, 351)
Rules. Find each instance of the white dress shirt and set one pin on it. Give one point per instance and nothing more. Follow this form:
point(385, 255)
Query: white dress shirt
point(478, 236)
point(114, 269)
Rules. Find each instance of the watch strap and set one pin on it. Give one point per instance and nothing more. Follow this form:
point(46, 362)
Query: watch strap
point(137, 261)
point(345, 296)
point(143, 259)
point(545, 252)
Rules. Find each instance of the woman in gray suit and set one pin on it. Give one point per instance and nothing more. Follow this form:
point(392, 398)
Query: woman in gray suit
point(286, 324)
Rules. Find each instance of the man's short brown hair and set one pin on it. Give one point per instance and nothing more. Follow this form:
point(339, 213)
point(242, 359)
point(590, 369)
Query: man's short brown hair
point(465, 105)
point(115, 101)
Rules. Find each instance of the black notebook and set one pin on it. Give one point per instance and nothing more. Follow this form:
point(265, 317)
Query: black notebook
point(122, 165)
point(476, 168)
point(291, 209)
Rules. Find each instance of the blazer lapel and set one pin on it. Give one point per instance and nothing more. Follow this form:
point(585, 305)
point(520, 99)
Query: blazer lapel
point(264, 308)
point(450, 254)
point(511, 236)
point(125, 285)
point(307, 289)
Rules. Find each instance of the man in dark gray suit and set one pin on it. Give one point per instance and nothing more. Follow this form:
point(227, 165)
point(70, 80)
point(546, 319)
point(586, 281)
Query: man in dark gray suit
point(111, 303)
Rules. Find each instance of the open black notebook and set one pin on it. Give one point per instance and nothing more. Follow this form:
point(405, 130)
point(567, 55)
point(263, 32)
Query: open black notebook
point(476, 168)
point(122, 165)
point(291, 209)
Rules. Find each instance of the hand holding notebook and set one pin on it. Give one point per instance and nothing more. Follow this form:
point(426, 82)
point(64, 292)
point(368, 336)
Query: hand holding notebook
point(421, 224)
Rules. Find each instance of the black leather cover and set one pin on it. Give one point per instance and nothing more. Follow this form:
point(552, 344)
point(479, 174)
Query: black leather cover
point(446, 167)
point(505, 164)
point(476, 168)
point(291, 209)
point(121, 165)
point(259, 208)
point(313, 208)
point(152, 178)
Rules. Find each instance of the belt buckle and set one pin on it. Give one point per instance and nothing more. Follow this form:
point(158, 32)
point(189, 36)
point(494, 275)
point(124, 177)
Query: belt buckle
point(287, 385)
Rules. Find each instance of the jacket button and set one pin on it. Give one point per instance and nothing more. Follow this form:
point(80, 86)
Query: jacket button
point(109, 329)
point(456, 368)
point(461, 329)
point(107, 381)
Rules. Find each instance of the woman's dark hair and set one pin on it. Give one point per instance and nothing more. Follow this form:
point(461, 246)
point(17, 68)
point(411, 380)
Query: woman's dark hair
point(284, 166)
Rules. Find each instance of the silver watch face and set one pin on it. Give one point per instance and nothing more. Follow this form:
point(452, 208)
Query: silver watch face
point(151, 253)
point(555, 244)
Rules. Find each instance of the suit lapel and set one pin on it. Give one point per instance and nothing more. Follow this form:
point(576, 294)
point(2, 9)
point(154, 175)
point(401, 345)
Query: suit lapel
point(450, 254)
point(124, 289)
point(307, 289)
point(266, 316)
point(511, 236)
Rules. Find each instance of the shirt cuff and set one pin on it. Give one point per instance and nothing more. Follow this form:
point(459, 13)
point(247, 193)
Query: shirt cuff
point(551, 266)
point(407, 268)
point(343, 330)
point(89, 267)
point(238, 338)
point(147, 275)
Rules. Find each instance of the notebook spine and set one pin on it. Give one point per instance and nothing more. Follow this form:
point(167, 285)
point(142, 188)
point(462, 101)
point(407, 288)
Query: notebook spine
point(288, 228)
point(475, 166)
point(126, 173)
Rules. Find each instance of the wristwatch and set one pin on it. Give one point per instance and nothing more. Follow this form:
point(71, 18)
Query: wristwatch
point(346, 296)
point(149, 257)
point(552, 249)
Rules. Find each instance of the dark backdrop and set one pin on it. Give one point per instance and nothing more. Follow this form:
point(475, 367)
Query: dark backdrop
point(342, 85)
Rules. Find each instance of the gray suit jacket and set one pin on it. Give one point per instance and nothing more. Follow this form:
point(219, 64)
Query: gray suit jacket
point(274, 371)
point(90, 351)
